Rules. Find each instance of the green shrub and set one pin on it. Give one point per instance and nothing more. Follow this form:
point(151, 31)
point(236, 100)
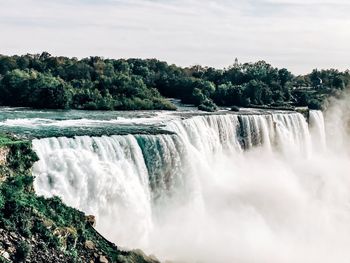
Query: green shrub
point(235, 108)
point(208, 105)
point(314, 104)
point(2, 201)
point(22, 251)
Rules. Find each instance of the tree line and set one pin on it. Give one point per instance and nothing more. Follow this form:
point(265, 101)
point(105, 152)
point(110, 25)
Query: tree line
point(95, 83)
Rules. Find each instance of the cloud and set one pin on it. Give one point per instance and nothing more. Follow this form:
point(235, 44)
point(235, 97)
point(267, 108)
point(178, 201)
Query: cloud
point(297, 34)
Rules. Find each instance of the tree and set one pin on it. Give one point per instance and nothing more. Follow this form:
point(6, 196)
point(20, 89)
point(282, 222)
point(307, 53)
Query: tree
point(42, 80)
point(15, 88)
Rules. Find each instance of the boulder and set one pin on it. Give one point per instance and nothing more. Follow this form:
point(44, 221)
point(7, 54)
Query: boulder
point(3, 155)
point(103, 259)
point(89, 245)
point(235, 108)
point(5, 255)
point(91, 220)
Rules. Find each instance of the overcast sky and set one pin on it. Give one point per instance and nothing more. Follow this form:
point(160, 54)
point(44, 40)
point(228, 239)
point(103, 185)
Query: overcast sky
point(300, 34)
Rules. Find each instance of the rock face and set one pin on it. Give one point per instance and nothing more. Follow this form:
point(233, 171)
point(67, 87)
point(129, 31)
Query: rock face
point(91, 220)
point(16, 248)
point(34, 229)
point(89, 245)
point(103, 259)
point(4, 151)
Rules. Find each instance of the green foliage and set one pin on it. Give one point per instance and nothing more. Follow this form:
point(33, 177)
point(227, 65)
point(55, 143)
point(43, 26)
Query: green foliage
point(21, 157)
point(34, 89)
point(43, 81)
point(315, 104)
point(28, 215)
point(22, 251)
point(207, 105)
point(4, 140)
point(7, 140)
point(23, 212)
point(235, 108)
point(2, 201)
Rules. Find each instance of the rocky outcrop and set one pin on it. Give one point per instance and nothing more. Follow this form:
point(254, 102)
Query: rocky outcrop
point(4, 151)
point(91, 220)
point(304, 111)
point(16, 248)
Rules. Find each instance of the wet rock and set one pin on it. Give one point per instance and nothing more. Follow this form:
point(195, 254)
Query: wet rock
point(13, 235)
point(91, 220)
point(89, 245)
point(103, 259)
point(11, 250)
point(5, 255)
point(48, 223)
point(234, 108)
point(145, 258)
point(7, 243)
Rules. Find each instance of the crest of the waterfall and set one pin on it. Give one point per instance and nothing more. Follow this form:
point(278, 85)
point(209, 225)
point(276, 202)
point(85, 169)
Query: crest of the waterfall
point(292, 134)
point(208, 134)
point(231, 134)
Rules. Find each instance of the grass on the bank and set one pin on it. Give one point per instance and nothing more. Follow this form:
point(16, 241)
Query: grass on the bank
point(7, 140)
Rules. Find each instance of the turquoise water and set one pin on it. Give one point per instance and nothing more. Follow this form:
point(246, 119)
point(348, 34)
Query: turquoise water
point(30, 123)
point(54, 123)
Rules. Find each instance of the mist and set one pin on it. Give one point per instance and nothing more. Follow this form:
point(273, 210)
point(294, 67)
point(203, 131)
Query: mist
point(283, 197)
point(263, 206)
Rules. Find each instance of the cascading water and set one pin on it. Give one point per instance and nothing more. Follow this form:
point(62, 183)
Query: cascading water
point(318, 129)
point(103, 176)
point(223, 188)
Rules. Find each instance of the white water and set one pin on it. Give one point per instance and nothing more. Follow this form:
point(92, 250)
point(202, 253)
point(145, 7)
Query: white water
point(46, 122)
point(316, 121)
point(225, 188)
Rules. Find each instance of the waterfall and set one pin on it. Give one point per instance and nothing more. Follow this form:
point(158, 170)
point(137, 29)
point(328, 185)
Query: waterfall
point(217, 190)
point(106, 177)
point(234, 133)
point(317, 129)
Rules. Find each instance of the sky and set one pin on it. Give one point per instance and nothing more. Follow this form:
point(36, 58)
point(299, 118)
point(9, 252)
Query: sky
point(297, 34)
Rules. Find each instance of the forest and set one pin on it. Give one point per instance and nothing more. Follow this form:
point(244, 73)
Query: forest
point(95, 83)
